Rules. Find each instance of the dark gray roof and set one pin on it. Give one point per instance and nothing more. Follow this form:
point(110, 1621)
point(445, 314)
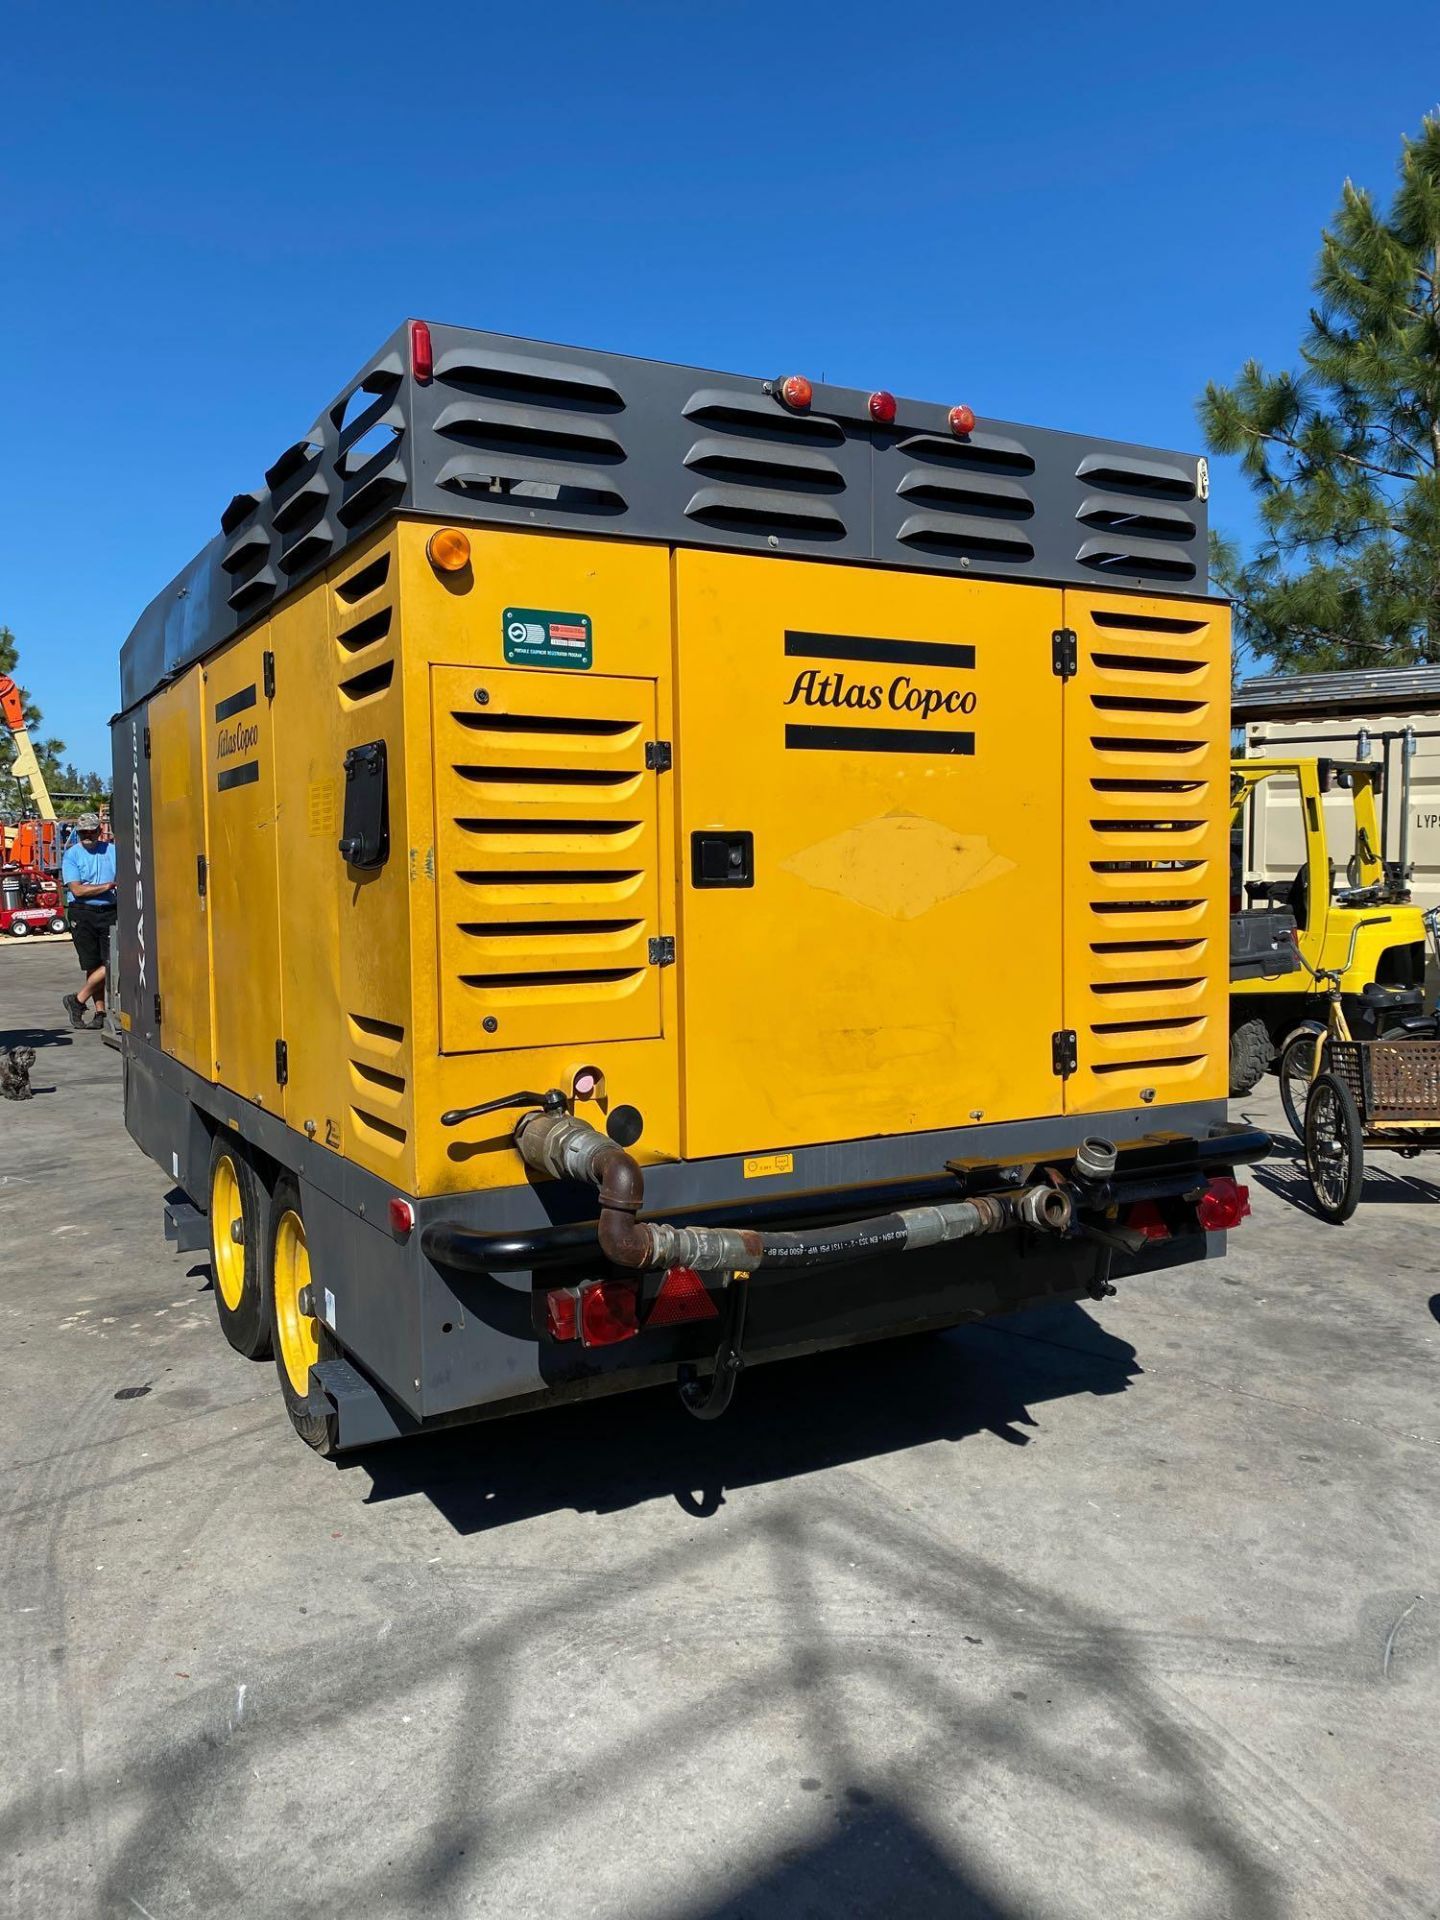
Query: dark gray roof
point(1316, 696)
point(512, 432)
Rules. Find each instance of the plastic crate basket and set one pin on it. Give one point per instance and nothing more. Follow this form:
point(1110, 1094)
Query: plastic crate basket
point(1391, 1080)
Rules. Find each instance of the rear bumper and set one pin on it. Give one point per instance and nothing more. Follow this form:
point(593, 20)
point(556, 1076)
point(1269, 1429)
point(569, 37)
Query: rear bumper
point(1152, 1170)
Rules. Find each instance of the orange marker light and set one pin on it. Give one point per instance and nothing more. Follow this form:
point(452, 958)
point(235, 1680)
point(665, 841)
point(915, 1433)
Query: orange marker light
point(962, 420)
point(448, 550)
point(882, 408)
point(797, 393)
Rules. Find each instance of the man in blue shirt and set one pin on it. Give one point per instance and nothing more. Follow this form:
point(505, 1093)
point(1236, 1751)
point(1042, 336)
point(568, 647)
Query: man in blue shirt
point(88, 870)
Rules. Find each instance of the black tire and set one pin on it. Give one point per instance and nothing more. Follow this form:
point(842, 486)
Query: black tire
point(1296, 1069)
point(299, 1339)
point(237, 1193)
point(1334, 1148)
point(1250, 1056)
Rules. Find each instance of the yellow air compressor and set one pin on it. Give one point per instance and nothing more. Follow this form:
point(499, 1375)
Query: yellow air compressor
point(627, 868)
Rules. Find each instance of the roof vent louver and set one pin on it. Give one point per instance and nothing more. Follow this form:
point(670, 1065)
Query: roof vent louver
point(1137, 530)
point(766, 471)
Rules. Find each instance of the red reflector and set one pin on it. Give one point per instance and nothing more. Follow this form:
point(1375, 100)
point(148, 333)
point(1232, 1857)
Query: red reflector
point(797, 393)
point(1223, 1204)
point(609, 1311)
point(402, 1214)
point(962, 420)
point(882, 408)
point(683, 1296)
point(422, 358)
point(561, 1307)
point(1145, 1217)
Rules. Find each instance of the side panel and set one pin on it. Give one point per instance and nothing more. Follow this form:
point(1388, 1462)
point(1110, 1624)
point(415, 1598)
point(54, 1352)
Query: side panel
point(133, 963)
point(1147, 780)
point(244, 904)
point(892, 743)
point(344, 933)
point(182, 920)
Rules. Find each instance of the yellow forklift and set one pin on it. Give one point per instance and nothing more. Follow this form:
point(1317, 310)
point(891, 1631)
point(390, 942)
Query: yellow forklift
point(1345, 907)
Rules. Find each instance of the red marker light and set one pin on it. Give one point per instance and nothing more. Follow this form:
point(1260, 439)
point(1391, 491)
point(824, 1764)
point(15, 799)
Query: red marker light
point(882, 408)
point(1145, 1217)
point(422, 356)
point(402, 1215)
point(1223, 1204)
point(562, 1307)
point(797, 393)
point(962, 420)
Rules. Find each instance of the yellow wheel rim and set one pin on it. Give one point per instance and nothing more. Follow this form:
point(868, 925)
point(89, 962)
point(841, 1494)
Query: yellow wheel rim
point(225, 1214)
point(294, 1330)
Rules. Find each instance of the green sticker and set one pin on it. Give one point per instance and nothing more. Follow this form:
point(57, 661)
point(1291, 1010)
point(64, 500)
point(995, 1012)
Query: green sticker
point(535, 638)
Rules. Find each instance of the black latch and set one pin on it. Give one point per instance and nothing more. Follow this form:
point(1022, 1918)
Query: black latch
point(722, 859)
point(267, 670)
point(1064, 653)
point(202, 875)
point(282, 1063)
point(662, 951)
point(366, 828)
point(157, 1009)
point(147, 743)
point(658, 757)
point(1064, 1057)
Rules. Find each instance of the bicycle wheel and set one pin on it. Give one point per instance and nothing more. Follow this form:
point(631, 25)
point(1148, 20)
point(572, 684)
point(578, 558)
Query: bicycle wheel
point(1334, 1148)
point(1296, 1070)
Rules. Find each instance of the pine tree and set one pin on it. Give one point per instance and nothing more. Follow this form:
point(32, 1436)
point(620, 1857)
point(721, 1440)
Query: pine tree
point(1345, 454)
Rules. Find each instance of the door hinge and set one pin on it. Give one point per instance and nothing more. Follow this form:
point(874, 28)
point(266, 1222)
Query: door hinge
point(202, 875)
point(1064, 1058)
point(157, 1009)
point(147, 743)
point(658, 757)
point(267, 670)
point(282, 1063)
point(1064, 653)
point(662, 951)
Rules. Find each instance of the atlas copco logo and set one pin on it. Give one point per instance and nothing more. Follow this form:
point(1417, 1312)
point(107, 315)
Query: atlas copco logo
point(135, 843)
point(901, 695)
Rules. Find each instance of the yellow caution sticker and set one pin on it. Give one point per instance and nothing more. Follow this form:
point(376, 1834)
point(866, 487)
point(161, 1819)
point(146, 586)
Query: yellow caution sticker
point(761, 1165)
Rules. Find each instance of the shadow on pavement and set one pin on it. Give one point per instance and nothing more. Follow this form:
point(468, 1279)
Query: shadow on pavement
point(1288, 1181)
point(36, 1037)
point(790, 1418)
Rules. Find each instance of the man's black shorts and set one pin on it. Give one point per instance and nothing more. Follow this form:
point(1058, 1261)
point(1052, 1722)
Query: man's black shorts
point(90, 930)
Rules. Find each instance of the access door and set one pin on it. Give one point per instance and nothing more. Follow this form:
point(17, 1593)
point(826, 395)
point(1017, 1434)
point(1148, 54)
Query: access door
point(870, 792)
point(182, 881)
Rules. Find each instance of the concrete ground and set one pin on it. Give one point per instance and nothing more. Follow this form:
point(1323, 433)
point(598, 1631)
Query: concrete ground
point(1132, 1611)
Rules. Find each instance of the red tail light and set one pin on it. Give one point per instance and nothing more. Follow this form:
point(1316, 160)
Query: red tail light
point(1222, 1205)
point(1145, 1217)
point(402, 1214)
point(882, 408)
point(797, 393)
point(609, 1311)
point(422, 357)
point(683, 1296)
point(962, 420)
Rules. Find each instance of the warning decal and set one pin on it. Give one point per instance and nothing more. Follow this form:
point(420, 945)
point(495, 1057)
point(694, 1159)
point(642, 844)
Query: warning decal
point(535, 638)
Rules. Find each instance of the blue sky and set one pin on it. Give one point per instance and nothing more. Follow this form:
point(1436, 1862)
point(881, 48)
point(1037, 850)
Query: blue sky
point(1071, 215)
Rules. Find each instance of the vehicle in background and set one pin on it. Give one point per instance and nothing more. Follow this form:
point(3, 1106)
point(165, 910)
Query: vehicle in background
point(1343, 881)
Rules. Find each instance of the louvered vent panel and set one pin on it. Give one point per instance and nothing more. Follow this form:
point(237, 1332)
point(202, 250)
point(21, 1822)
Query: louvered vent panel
point(967, 499)
point(1138, 520)
point(365, 622)
point(1147, 742)
point(762, 470)
point(530, 430)
point(546, 848)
